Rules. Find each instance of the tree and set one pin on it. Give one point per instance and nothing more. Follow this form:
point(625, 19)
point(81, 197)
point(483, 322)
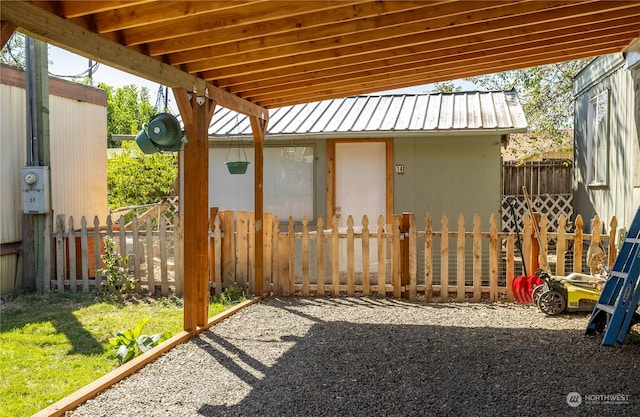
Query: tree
point(128, 109)
point(547, 100)
point(13, 52)
point(134, 178)
point(446, 87)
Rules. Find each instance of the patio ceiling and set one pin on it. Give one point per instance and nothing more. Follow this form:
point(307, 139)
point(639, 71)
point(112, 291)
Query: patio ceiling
point(278, 53)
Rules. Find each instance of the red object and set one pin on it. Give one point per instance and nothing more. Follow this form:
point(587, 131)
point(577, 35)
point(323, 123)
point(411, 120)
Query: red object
point(523, 287)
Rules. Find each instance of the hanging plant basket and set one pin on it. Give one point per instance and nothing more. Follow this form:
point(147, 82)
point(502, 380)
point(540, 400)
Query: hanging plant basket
point(237, 167)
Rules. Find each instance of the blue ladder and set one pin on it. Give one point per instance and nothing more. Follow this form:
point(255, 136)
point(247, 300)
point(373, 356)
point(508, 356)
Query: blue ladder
point(620, 296)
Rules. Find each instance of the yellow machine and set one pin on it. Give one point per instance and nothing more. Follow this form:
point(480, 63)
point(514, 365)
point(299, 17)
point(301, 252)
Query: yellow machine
point(575, 292)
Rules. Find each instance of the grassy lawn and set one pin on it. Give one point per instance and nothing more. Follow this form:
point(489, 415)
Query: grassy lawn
point(53, 344)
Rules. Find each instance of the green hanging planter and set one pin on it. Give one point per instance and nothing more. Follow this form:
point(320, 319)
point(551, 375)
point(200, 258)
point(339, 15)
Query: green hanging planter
point(237, 167)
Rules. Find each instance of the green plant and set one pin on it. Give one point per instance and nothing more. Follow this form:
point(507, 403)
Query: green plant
point(131, 342)
point(231, 295)
point(118, 282)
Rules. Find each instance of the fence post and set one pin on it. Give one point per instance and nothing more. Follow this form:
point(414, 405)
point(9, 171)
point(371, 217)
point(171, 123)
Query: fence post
point(493, 259)
point(413, 259)
point(396, 258)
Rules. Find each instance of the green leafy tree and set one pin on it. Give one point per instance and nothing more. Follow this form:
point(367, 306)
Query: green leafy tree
point(547, 100)
point(128, 109)
point(446, 87)
point(13, 52)
point(134, 178)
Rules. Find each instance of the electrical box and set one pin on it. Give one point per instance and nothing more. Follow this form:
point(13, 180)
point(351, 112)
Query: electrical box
point(35, 189)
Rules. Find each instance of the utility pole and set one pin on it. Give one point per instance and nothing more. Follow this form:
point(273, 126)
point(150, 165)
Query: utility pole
point(38, 161)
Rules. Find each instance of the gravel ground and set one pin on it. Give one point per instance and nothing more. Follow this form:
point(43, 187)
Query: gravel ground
point(383, 357)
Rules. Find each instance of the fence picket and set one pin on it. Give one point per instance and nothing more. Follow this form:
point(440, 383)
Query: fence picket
point(493, 258)
point(276, 259)
point(97, 262)
point(561, 245)
point(366, 273)
point(151, 278)
point(320, 291)
point(60, 252)
point(84, 254)
point(241, 255)
point(477, 259)
point(283, 254)
point(351, 279)
point(444, 259)
point(291, 276)
point(135, 251)
point(382, 266)
point(178, 245)
point(510, 267)
point(460, 258)
point(577, 245)
point(164, 288)
point(305, 257)
point(268, 251)
point(335, 257)
point(428, 258)
point(228, 248)
point(613, 227)
point(71, 256)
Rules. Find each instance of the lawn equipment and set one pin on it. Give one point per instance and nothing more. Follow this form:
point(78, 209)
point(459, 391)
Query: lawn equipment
point(575, 292)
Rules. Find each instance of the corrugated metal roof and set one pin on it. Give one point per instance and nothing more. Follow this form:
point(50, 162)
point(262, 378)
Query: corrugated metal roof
point(383, 114)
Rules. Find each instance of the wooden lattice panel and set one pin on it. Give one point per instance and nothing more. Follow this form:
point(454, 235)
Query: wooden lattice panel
point(551, 206)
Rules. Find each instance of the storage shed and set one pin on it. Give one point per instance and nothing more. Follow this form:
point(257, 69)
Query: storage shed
point(376, 154)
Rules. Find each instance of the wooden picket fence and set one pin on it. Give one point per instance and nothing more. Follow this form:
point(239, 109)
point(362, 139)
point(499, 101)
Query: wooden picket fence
point(72, 256)
point(444, 260)
point(383, 259)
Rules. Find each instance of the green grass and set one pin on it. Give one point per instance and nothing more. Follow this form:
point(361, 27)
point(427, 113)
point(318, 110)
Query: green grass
point(53, 344)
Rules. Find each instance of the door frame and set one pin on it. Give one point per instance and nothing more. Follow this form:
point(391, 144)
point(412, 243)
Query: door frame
point(331, 175)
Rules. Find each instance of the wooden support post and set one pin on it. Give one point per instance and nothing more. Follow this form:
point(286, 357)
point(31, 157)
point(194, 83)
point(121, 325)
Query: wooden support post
point(196, 115)
point(6, 31)
point(259, 128)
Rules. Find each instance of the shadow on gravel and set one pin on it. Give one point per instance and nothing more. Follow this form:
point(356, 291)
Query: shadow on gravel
point(347, 369)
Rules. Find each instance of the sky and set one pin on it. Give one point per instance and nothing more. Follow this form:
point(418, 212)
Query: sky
point(62, 62)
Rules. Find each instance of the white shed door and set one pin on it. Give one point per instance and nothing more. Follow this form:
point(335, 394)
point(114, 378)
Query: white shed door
point(360, 181)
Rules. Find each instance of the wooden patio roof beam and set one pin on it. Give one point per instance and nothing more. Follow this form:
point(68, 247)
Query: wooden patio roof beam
point(478, 59)
point(204, 37)
point(6, 31)
point(489, 50)
point(409, 80)
point(43, 25)
point(519, 25)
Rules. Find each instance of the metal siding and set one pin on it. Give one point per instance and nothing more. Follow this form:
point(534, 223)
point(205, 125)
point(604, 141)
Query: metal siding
point(459, 112)
point(488, 111)
point(419, 113)
point(406, 113)
point(474, 114)
point(445, 121)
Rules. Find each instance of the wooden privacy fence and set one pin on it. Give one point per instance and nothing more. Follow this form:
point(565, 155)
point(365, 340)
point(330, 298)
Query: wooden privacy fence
point(459, 261)
point(72, 255)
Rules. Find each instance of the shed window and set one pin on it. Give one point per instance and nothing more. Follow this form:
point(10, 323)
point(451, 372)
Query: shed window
point(288, 182)
point(598, 140)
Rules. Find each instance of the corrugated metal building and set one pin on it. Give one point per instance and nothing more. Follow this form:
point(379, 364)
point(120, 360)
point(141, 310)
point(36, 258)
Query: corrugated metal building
point(415, 153)
point(78, 126)
point(607, 139)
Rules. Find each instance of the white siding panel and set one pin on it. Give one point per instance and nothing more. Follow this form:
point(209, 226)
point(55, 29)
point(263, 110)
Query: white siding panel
point(12, 159)
point(78, 158)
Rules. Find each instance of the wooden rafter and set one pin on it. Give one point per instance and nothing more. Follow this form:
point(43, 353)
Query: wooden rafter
point(276, 52)
point(6, 31)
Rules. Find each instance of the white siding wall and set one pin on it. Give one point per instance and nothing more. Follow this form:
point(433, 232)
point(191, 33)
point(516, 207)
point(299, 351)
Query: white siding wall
point(78, 166)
